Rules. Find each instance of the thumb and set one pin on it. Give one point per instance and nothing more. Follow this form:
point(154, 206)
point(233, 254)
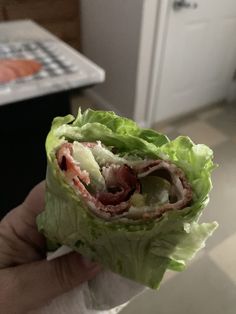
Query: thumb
point(33, 285)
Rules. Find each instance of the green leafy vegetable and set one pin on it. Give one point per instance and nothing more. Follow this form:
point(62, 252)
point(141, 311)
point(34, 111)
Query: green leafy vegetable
point(138, 249)
point(87, 162)
point(156, 189)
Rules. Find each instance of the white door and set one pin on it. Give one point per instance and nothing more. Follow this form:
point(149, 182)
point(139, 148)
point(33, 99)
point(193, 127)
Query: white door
point(198, 59)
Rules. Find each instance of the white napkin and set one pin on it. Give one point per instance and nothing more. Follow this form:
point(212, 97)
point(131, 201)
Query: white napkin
point(107, 293)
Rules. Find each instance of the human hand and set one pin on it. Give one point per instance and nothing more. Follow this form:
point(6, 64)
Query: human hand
point(27, 279)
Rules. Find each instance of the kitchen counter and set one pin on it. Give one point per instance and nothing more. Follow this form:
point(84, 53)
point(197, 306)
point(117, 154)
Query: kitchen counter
point(29, 103)
point(85, 72)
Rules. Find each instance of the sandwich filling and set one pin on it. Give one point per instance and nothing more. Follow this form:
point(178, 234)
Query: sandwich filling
point(116, 186)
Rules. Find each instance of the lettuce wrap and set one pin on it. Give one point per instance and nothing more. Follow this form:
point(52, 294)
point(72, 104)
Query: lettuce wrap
point(125, 196)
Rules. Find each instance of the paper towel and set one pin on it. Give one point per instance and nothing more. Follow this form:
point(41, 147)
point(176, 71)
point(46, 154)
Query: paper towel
point(106, 293)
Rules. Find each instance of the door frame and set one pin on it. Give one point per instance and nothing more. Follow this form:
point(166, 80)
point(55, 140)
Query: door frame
point(154, 31)
point(155, 21)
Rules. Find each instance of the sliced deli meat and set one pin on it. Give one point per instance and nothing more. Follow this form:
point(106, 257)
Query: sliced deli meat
point(123, 182)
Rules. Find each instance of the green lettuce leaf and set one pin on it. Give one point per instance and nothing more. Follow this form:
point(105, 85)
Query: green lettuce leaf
point(87, 162)
point(155, 189)
point(141, 250)
point(104, 155)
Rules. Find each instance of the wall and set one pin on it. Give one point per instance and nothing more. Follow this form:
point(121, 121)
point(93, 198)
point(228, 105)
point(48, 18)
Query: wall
point(110, 36)
point(60, 17)
point(231, 96)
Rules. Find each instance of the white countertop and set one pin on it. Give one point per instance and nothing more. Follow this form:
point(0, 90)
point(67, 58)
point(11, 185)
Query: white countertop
point(88, 73)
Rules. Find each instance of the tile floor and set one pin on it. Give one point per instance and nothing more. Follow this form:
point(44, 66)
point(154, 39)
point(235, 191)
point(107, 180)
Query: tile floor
point(208, 286)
